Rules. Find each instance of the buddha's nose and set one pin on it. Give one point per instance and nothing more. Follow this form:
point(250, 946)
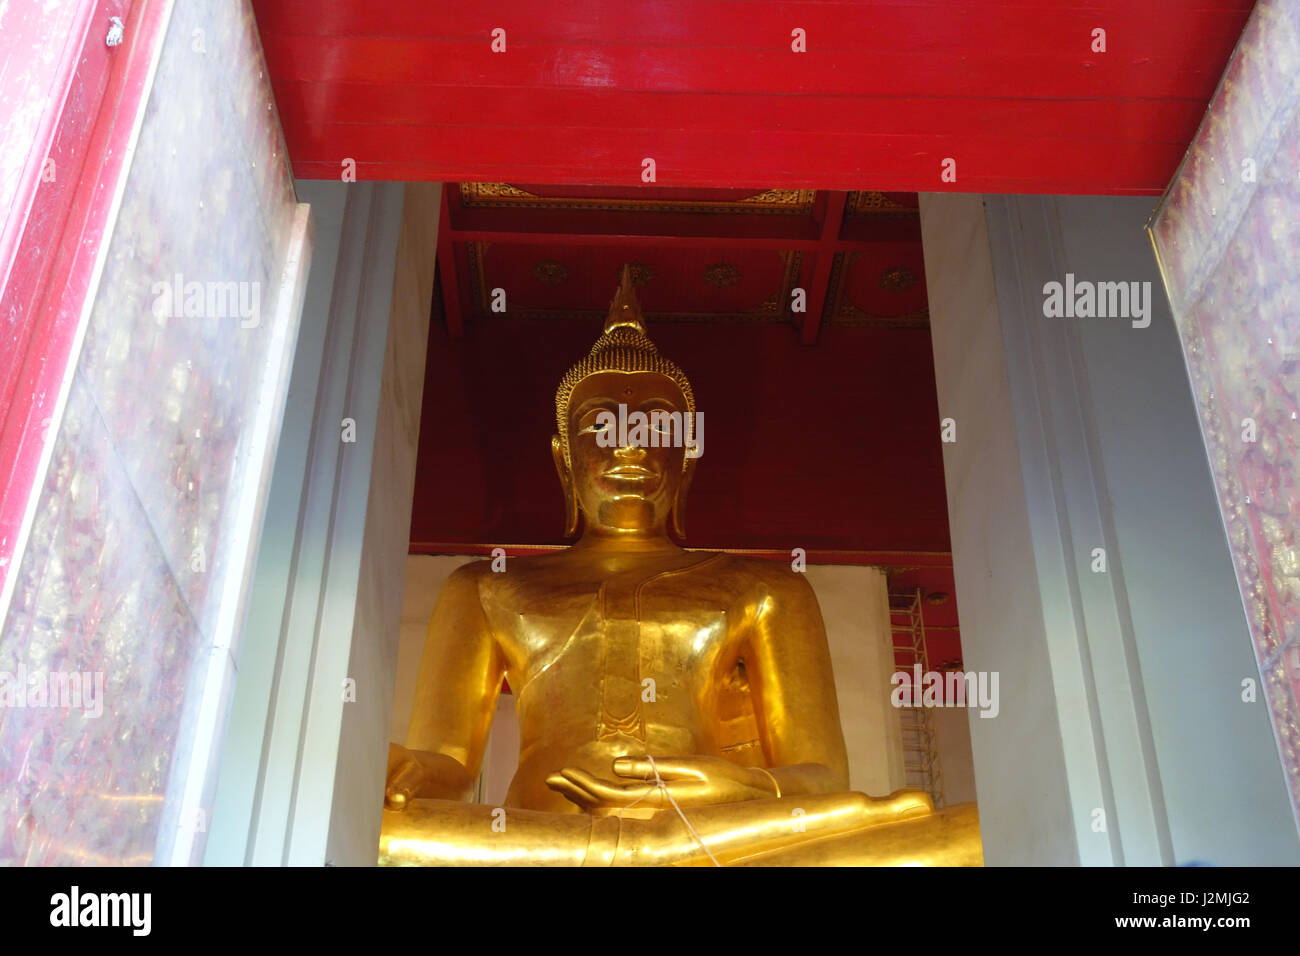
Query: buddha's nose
point(630, 453)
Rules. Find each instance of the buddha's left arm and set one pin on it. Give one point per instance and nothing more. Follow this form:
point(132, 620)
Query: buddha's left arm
point(789, 668)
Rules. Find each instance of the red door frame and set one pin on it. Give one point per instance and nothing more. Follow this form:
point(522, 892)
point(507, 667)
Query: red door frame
point(60, 213)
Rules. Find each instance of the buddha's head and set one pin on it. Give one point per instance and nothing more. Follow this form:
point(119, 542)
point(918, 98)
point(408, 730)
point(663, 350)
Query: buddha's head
point(625, 481)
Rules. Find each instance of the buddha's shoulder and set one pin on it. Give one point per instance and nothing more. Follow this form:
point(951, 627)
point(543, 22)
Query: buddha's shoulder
point(725, 570)
point(505, 571)
point(767, 576)
point(465, 578)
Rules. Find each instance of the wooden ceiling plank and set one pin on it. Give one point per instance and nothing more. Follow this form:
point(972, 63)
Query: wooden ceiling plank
point(1164, 28)
point(1031, 72)
point(319, 104)
point(1023, 181)
point(821, 278)
point(687, 158)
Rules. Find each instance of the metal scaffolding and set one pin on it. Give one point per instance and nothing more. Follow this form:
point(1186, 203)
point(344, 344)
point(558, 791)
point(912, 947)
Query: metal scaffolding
point(924, 770)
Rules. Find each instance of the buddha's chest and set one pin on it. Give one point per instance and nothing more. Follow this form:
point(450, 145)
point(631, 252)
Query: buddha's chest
point(621, 643)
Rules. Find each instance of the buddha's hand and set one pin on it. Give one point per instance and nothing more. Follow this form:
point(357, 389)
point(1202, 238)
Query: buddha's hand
point(405, 776)
point(693, 782)
point(419, 773)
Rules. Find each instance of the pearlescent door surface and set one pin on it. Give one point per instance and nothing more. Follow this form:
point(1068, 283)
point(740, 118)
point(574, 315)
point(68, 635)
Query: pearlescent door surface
point(1227, 235)
point(130, 589)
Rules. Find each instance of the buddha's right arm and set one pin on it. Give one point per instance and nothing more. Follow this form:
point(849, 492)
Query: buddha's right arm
point(455, 695)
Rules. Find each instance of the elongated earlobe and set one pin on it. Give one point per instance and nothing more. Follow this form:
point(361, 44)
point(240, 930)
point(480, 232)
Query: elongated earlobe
point(566, 484)
point(679, 503)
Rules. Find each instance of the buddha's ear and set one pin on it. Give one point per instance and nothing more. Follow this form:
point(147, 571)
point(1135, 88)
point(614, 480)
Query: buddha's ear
point(566, 484)
point(679, 503)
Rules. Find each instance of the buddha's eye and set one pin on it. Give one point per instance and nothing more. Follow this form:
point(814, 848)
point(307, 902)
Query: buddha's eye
point(593, 428)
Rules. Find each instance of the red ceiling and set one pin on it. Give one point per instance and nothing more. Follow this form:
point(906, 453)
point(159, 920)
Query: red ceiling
point(712, 91)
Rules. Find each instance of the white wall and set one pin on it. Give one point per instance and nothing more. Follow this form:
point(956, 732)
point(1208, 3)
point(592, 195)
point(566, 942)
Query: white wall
point(952, 730)
point(855, 607)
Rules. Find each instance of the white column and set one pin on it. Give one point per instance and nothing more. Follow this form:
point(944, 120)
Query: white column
point(329, 577)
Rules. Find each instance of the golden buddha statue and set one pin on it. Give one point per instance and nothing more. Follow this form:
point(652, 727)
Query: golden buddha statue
point(675, 707)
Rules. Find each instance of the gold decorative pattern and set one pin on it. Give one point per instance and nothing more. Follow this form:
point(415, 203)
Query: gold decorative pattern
point(844, 313)
point(871, 203)
point(897, 279)
point(721, 275)
point(783, 197)
point(641, 274)
point(767, 202)
point(486, 194)
point(550, 272)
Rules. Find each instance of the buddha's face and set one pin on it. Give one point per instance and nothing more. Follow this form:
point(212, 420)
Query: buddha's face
point(631, 486)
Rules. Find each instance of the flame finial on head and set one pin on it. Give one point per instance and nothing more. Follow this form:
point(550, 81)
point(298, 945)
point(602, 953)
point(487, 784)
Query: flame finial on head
point(625, 310)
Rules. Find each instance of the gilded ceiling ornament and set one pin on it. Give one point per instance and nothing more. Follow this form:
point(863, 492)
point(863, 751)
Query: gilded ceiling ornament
point(767, 202)
point(782, 197)
point(897, 279)
point(640, 272)
point(550, 272)
point(487, 194)
point(874, 203)
point(721, 275)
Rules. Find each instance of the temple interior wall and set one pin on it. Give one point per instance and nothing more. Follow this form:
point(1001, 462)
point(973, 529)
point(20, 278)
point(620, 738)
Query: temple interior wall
point(953, 742)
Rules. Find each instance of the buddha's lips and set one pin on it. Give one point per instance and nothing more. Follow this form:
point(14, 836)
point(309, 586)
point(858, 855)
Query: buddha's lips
point(629, 471)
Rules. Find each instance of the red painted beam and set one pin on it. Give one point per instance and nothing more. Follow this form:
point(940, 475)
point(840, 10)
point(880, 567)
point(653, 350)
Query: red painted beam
point(690, 242)
point(821, 273)
point(447, 270)
point(1126, 184)
point(993, 164)
point(995, 25)
point(1083, 120)
point(616, 157)
point(713, 227)
point(1059, 67)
